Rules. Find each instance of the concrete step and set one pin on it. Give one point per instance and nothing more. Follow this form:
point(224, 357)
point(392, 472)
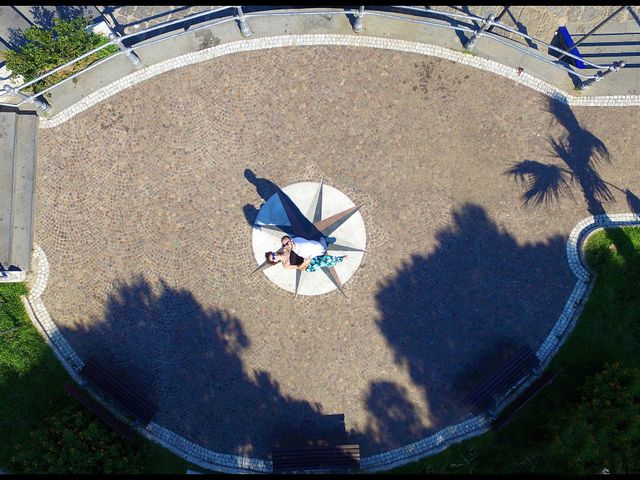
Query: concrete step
point(18, 136)
point(24, 189)
point(7, 147)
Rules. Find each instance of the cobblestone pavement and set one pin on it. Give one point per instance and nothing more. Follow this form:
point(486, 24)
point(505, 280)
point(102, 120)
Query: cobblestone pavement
point(143, 209)
point(131, 18)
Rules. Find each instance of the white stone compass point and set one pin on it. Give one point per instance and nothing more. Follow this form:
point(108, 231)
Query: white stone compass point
point(325, 207)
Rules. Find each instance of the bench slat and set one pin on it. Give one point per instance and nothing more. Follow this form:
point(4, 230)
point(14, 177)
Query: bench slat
point(126, 395)
point(482, 397)
point(305, 457)
point(545, 379)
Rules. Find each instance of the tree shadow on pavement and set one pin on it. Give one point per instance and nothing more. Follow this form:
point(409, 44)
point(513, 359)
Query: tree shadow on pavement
point(393, 418)
point(453, 317)
point(189, 360)
point(450, 318)
point(43, 17)
point(581, 151)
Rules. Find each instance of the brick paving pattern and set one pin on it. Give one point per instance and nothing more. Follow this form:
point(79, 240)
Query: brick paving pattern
point(143, 206)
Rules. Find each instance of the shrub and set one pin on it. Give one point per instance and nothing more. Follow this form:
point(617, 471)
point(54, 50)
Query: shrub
point(74, 441)
point(45, 49)
point(603, 430)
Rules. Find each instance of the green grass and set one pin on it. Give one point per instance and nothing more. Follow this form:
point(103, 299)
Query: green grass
point(607, 332)
point(31, 380)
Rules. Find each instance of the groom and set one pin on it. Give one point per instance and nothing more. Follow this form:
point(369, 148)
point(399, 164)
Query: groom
point(306, 249)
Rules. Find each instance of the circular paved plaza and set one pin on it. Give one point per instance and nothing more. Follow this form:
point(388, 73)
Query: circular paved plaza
point(145, 204)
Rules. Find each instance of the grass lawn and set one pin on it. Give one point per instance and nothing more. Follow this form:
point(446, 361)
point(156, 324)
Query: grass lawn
point(31, 380)
point(572, 412)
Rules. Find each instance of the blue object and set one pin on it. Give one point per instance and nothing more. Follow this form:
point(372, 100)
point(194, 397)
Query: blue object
point(569, 46)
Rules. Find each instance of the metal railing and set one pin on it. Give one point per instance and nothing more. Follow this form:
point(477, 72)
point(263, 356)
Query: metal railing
point(419, 15)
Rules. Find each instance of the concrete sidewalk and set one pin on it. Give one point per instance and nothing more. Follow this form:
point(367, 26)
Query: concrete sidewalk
point(624, 82)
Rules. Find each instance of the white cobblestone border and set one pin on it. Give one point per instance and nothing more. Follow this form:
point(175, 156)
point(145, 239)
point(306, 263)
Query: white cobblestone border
point(436, 443)
point(342, 40)
point(41, 319)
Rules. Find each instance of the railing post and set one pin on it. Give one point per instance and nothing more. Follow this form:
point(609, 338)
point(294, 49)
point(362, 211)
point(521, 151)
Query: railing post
point(488, 22)
point(40, 105)
point(130, 54)
point(358, 26)
point(600, 75)
point(244, 26)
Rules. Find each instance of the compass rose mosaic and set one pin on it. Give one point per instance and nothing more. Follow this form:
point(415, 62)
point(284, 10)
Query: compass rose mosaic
point(310, 210)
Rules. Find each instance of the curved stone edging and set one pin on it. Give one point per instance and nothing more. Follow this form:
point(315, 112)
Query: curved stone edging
point(46, 324)
point(431, 445)
point(577, 298)
point(339, 40)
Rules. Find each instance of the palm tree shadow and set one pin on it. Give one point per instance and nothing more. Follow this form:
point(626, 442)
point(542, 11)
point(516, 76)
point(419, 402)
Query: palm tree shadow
point(581, 165)
point(580, 151)
point(632, 201)
point(543, 183)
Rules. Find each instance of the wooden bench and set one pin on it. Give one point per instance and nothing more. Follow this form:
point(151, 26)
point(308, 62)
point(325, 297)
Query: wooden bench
point(116, 424)
point(131, 400)
point(507, 414)
point(333, 457)
point(568, 44)
point(483, 397)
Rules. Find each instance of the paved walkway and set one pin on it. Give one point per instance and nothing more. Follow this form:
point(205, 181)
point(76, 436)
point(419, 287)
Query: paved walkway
point(539, 21)
point(143, 206)
point(623, 84)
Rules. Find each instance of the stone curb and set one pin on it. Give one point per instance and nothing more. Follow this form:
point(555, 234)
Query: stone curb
point(578, 297)
point(431, 445)
point(336, 40)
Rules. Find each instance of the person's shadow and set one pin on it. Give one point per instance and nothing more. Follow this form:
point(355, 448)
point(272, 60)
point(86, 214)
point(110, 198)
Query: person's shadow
point(300, 225)
point(265, 188)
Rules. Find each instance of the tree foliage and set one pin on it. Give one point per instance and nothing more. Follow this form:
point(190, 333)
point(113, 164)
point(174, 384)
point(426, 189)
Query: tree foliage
point(47, 48)
point(73, 441)
point(603, 430)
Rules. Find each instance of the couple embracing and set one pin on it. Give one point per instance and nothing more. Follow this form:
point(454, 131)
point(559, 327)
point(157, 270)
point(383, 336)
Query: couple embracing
point(302, 254)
